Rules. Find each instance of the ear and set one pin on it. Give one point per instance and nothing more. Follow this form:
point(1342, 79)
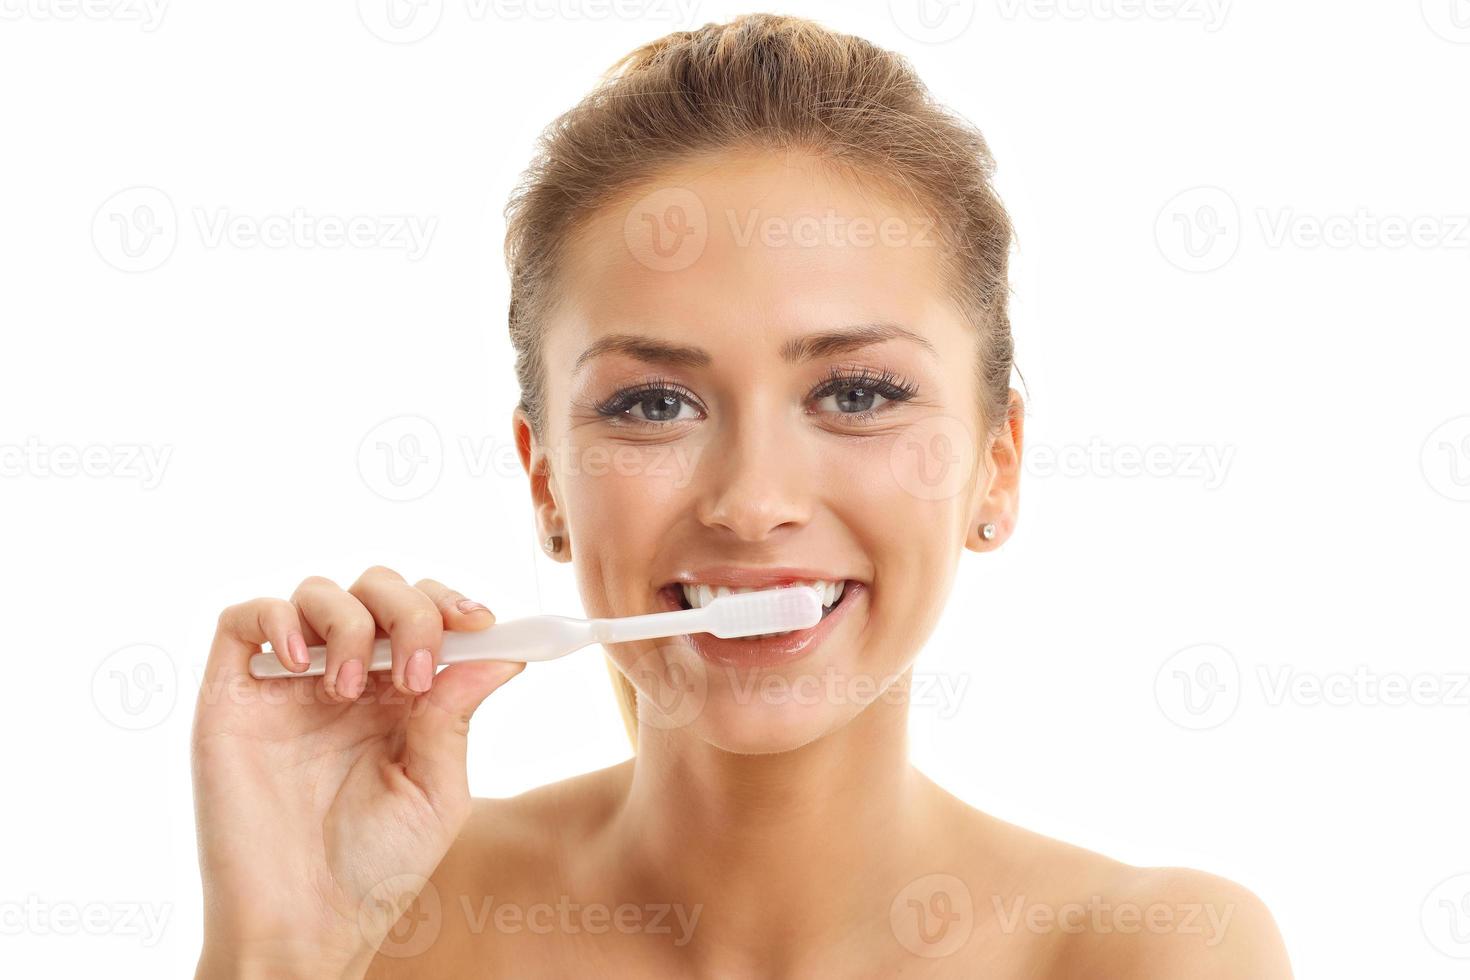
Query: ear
point(537, 464)
point(1002, 498)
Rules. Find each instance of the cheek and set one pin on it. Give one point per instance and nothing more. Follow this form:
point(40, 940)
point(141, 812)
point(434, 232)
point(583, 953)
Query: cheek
point(619, 503)
point(907, 498)
point(623, 489)
point(907, 493)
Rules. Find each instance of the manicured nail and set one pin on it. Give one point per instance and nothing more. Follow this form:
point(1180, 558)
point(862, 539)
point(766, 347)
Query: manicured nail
point(469, 606)
point(419, 673)
point(296, 647)
point(350, 679)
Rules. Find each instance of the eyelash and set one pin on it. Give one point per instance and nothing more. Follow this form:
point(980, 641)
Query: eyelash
point(892, 387)
point(617, 406)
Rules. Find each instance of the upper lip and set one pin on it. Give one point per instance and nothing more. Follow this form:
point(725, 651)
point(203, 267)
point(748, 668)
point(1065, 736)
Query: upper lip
point(738, 576)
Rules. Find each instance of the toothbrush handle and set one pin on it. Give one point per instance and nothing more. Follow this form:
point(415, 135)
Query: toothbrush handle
point(652, 626)
point(533, 638)
point(264, 665)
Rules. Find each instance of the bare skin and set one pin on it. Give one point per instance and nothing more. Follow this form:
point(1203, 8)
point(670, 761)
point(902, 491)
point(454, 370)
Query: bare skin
point(760, 834)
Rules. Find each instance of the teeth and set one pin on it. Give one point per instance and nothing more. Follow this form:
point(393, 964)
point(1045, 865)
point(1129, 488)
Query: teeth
point(699, 596)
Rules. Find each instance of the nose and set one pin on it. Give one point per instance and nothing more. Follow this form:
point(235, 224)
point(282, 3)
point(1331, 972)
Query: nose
point(756, 485)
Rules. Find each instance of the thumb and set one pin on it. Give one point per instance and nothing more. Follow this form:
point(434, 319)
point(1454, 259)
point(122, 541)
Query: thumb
point(436, 739)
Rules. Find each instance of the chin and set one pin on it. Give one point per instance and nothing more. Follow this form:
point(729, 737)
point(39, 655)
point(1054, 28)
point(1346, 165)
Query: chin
point(757, 711)
point(767, 729)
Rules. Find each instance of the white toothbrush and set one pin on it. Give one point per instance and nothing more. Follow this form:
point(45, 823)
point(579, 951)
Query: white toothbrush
point(537, 638)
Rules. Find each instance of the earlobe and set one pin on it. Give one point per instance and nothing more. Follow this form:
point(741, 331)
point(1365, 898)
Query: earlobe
point(985, 537)
point(996, 514)
point(538, 468)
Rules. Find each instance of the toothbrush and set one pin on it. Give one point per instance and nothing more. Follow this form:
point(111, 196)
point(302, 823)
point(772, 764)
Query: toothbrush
point(537, 638)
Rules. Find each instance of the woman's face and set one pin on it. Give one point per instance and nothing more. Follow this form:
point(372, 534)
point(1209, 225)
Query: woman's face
point(756, 375)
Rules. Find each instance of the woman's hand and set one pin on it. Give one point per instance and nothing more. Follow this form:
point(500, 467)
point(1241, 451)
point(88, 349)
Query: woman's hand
point(323, 803)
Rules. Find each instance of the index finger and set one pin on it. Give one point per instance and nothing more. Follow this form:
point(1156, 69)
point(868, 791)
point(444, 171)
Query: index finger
point(459, 613)
point(241, 630)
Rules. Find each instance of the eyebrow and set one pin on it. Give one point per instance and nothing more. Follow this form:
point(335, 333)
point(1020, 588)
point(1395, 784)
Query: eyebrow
point(808, 347)
point(645, 349)
point(828, 342)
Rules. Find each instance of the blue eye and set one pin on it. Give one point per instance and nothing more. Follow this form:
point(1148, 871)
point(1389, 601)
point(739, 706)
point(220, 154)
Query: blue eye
point(659, 407)
point(861, 393)
point(657, 403)
point(853, 400)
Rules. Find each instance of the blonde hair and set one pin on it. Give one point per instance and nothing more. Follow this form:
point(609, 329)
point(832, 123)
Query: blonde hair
point(761, 81)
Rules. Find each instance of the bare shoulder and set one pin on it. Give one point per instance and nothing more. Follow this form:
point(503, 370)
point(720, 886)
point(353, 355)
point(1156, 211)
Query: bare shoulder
point(1117, 920)
point(1067, 911)
point(511, 852)
point(1172, 922)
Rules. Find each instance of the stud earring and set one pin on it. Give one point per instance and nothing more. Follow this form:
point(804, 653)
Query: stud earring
point(552, 544)
point(987, 531)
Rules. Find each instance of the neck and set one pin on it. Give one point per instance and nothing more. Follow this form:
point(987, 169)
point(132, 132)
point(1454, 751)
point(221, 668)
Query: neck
point(797, 844)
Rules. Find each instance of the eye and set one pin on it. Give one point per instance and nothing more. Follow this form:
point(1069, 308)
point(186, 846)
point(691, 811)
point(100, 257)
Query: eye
point(852, 400)
point(657, 403)
point(666, 406)
point(860, 394)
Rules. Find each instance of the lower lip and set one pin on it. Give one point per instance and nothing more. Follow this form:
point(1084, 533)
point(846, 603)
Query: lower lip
point(768, 651)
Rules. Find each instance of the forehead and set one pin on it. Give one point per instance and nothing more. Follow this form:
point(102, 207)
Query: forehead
point(736, 246)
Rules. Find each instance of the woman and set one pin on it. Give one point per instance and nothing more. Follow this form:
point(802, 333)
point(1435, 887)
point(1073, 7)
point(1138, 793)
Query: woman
point(759, 307)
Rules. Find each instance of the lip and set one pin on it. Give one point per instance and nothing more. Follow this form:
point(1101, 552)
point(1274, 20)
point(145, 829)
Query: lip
point(766, 651)
point(737, 576)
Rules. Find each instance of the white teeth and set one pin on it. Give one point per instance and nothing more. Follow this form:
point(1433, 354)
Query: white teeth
point(699, 596)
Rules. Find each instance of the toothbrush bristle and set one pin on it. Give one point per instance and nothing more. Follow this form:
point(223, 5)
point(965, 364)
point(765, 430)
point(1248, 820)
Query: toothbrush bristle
point(767, 611)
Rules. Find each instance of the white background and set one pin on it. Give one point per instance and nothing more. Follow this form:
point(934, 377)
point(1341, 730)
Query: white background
point(1323, 374)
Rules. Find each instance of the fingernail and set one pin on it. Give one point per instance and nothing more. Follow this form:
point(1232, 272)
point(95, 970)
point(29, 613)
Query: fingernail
point(419, 673)
point(350, 679)
point(296, 647)
point(469, 606)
